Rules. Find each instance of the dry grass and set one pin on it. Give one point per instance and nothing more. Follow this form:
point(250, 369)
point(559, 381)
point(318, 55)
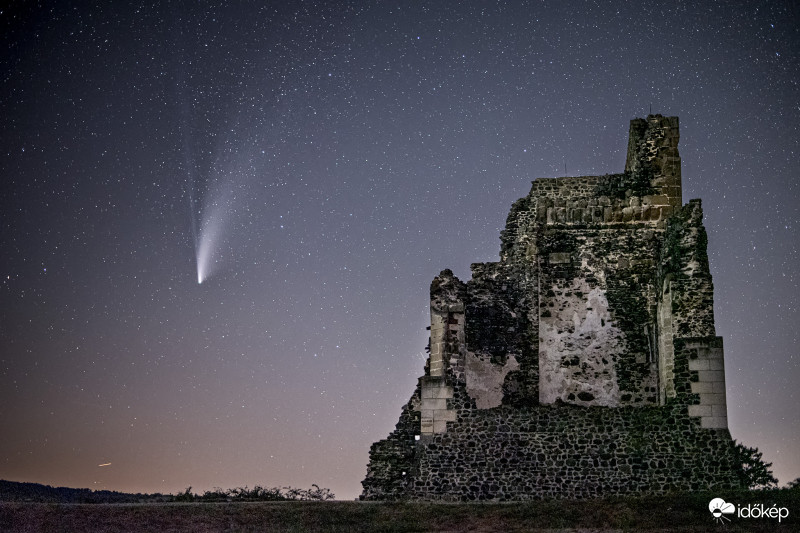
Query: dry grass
point(654, 514)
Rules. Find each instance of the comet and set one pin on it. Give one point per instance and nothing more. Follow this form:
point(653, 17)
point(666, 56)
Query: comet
point(215, 195)
point(210, 233)
point(210, 208)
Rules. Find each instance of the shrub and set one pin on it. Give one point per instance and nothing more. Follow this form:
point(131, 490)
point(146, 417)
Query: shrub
point(754, 473)
point(256, 494)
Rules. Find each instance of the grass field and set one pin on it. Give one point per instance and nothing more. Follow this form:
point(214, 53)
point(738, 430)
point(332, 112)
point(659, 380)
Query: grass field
point(666, 513)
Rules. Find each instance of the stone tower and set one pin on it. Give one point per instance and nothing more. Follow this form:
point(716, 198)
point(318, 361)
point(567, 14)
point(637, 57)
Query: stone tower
point(583, 363)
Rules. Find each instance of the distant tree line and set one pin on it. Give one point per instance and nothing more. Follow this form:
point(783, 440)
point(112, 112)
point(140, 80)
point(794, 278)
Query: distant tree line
point(12, 491)
point(257, 494)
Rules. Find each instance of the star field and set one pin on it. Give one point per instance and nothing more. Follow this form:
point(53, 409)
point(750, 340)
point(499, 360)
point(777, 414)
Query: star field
point(341, 155)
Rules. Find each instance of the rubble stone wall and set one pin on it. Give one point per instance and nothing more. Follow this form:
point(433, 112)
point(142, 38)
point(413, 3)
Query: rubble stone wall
point(509, 454)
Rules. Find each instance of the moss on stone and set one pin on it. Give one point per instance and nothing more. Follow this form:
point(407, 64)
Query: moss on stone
point(636, 183)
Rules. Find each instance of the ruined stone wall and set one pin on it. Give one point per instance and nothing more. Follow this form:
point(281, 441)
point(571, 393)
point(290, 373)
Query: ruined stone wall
point(653, 154)
point(544, 452)
point(502, 333)
point(393, 461)
point(684, 273)
point(707, 381)
point(685, 313)
point(595, 302)
point(596, 200)
point(561, 451)
point(584, 362)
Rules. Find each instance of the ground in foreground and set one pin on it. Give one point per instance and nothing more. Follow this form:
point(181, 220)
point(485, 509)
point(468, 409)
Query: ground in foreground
point(653, 514)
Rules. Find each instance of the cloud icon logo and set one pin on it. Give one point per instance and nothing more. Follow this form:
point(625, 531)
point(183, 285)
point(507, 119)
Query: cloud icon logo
point(719, 507)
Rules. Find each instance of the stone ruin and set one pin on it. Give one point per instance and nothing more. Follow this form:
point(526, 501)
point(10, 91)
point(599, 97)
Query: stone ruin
point(585, 362)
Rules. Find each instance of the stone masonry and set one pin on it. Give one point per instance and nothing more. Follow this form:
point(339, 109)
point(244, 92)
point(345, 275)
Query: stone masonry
point(583, 363)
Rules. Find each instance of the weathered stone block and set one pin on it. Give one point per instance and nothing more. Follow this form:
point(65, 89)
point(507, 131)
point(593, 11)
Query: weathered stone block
point(719, 410)
point(711, 375)
point(436, 392)
point(439, 426)
point(700, 410)
point(448, 415)
point(655, 213)
point(657, 199)
point(559, 258)
point(541, 213)
point(714, 422)
point(712, 399)
point(627, 214)
point(436, 368)
point(434, 403)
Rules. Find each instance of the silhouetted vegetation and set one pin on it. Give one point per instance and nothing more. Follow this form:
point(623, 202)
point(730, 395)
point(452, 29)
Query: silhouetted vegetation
point(755, 472)
point(256, 494)
point(11, 491)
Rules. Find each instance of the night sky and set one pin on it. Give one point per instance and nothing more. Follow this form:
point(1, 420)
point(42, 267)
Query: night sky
point(315, 165)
